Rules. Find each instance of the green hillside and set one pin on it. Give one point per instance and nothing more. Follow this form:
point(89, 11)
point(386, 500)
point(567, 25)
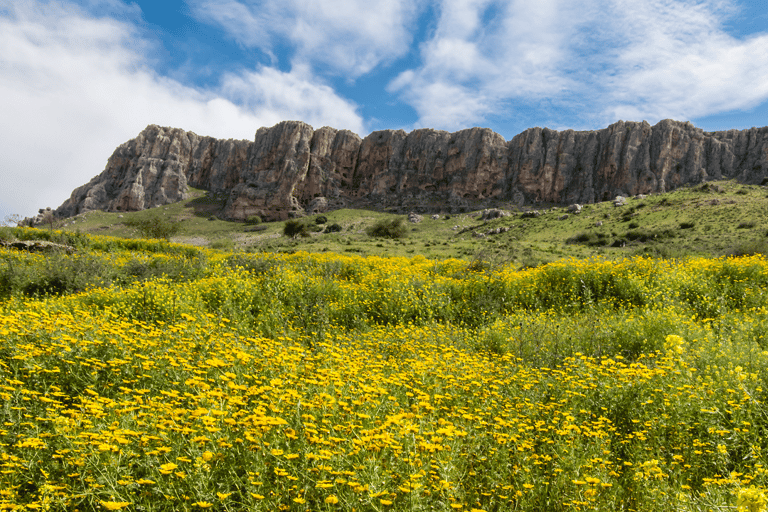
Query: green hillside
point(711, 219)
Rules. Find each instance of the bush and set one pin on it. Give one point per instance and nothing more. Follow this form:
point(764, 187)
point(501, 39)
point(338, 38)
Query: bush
point(154, 227)
point(333, 228)
point(321, 219)
point(253, 220)
point(294, 228)
point(394, 228)
point(749, 248)
point(687, 225)
point(747, 224)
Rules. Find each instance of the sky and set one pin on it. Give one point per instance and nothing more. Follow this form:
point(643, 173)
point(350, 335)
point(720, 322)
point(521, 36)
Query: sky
point(80, 77)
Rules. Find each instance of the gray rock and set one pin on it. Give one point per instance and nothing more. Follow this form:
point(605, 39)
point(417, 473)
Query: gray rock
point(574, 208)
point(287, 166)
point(492, 213)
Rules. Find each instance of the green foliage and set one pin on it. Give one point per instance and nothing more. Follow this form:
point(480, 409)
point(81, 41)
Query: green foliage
point(333, 228)
point(253, 220)
point(286, 382)
point(321, 219)
point(295, 228)
point(154, 227)
point(747, 224)
point(388, 228)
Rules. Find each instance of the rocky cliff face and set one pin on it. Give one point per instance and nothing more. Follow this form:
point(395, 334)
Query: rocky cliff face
point(291, 168)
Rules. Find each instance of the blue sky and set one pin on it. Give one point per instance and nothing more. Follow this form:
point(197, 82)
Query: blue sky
point(80, 77)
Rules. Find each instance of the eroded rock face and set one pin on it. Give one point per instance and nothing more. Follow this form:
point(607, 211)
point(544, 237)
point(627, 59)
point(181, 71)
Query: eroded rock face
point(290, 166)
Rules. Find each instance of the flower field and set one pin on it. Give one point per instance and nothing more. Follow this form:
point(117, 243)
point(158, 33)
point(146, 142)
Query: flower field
point(171, 378)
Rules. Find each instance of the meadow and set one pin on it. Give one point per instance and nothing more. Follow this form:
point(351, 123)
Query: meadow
point(151, 376)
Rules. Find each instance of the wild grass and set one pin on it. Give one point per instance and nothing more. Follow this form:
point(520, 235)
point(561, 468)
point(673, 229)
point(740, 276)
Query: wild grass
point(714, 216)
point(330, 382)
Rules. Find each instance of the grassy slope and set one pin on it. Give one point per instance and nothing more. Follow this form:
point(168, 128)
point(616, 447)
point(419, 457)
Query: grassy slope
point(711, 219)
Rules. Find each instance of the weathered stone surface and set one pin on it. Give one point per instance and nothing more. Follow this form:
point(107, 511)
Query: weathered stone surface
point(287, 168)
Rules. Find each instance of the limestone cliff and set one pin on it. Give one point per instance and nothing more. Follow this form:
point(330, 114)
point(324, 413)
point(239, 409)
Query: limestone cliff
point(290, 167)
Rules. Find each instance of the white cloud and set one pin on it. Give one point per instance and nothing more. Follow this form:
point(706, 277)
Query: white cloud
point(348, 36)
point(679, 62)
point(612, 58)
point(275, 94)
point(484, 53)
point(73, 87)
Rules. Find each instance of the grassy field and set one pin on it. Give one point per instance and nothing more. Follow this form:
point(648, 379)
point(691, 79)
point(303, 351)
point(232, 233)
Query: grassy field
point(146, 375)
point(712, 219)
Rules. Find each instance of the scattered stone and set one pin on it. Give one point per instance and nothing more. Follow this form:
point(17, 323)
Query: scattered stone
point(531, 215)
point(563, 217)
point(619, 201)
point(574, 208)
point(415, 218)
point(435, 217)
point(493, 213)
point(598, 223)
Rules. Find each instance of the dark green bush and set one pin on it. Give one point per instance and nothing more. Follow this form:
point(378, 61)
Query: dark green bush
point(393, 228)
point(687, 225)
point(294, 228)
point(154, 227)
point(253, 220)
point(747, 224)
point(333, 228)
point(321, 219)
point(749, 248)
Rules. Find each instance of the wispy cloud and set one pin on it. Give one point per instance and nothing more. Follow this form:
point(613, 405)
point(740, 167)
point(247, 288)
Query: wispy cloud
point(298, 95)
point(676, 60)
point(344, 36)
point(614, 59)
point(74, 86)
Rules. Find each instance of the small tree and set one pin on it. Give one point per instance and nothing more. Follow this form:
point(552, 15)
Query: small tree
point(12, 220)
point(394, 228)
point(48, 218)
point(294, 228)
point(154, 227)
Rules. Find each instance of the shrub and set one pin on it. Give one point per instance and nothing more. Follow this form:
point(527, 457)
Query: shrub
point(294, 228)
point(333, 228)
point(749, 248)
point(321, 219)
point(394, 228)
point(253, 220)
point(579, 238)
point(154, 227)
point(747, 224)
point(687, 225)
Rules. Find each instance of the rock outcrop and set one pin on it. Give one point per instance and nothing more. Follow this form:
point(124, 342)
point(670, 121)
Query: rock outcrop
point(290, 167)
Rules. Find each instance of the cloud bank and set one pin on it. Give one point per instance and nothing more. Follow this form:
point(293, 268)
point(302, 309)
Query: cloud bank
point(74, 86)
point(620, 59)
